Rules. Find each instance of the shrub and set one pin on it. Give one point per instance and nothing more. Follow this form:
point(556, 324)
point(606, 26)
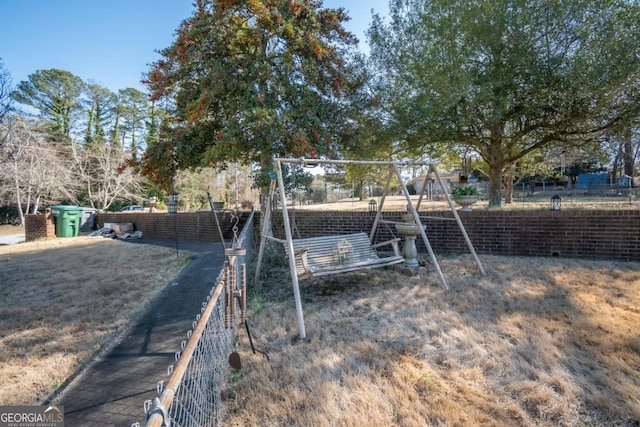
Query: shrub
point(464, 190)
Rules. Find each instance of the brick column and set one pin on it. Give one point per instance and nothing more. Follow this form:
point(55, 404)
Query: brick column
point(38, 226)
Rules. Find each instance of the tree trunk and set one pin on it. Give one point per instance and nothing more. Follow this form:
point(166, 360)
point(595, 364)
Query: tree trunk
point(616, 166)
point(495, 186)
point(494, 157)
point(28, 204)
point(36, 204)
point(17, 189)
point(507, 182)
point(627, 153)
point(508, 190)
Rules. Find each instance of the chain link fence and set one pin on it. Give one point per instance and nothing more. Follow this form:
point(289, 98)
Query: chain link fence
point(192, 394)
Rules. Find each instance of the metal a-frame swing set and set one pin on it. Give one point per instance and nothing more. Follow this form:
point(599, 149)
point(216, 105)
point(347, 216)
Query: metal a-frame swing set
point(335, 254)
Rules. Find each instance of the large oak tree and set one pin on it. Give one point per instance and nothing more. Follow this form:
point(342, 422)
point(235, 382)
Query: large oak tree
point(248, 80)
point(507, 77)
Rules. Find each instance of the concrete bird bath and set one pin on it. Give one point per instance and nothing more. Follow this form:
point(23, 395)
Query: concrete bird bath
point(410, 230)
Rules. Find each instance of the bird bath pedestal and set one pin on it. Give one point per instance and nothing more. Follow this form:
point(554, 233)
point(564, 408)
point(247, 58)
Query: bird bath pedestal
point(410, 230)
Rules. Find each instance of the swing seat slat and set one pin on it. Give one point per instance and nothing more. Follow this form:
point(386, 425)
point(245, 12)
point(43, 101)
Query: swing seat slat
point(325, 255)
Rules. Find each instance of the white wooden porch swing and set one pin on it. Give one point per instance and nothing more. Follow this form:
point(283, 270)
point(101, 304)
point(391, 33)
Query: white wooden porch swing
point(335, 254)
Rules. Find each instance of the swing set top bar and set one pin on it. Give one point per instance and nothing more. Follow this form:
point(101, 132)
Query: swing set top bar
point(315, 162)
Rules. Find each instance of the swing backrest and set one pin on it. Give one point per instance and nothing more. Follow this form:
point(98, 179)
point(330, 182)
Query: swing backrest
point(335, 254)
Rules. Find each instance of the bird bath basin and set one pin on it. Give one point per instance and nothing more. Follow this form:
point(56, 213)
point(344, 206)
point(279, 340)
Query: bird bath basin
point(410, 230)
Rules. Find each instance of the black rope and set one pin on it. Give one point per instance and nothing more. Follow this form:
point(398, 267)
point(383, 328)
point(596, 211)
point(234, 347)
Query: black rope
point(253, 349)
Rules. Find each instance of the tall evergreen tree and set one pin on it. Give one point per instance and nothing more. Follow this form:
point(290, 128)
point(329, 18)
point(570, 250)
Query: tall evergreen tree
point(133, 108)
point(55, 94)
point(249, 80)
point(99, 109)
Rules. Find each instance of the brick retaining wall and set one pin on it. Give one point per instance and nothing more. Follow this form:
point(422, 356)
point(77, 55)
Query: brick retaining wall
point(580, 234)
point(606, 234)
point(189, 226)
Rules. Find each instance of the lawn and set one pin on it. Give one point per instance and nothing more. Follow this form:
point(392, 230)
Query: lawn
point(540, 201)
point(538, 341)
point(6, 230)
point(64, 300)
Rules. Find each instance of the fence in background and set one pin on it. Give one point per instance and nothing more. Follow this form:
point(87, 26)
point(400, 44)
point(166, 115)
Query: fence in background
point(192, 395)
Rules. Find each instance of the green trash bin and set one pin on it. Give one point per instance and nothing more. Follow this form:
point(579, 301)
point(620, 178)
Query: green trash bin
point(67, 220)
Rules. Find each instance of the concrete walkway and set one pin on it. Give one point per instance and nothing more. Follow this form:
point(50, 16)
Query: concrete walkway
point(11, 239)
point(111, 391)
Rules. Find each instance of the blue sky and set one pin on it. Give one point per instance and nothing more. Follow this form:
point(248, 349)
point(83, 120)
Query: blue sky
point(111, 42)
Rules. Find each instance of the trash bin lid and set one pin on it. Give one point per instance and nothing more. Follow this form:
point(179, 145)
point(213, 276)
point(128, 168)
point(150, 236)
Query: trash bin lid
point(66, 208)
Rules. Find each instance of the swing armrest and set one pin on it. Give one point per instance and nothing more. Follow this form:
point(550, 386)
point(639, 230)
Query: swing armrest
point(392, 242)
point(302, 253)
point(284, 242)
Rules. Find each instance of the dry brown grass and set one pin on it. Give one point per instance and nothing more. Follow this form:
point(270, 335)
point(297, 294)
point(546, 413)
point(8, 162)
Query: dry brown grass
point(63, 300)
point(539, 202)
point(6, 230)
point(538, 341)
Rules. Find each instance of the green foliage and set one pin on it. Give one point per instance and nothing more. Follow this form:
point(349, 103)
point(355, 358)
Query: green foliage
point(506, 78)
point(464, 190)
point(133, 109)
point(99, 104)
point(56, 95)
point(362, 177)
point(256, 303)
point(195, 186)
point(7, 214)
point(584, 167)
point(93, 169)
point(295, 179)
point(250, 80)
